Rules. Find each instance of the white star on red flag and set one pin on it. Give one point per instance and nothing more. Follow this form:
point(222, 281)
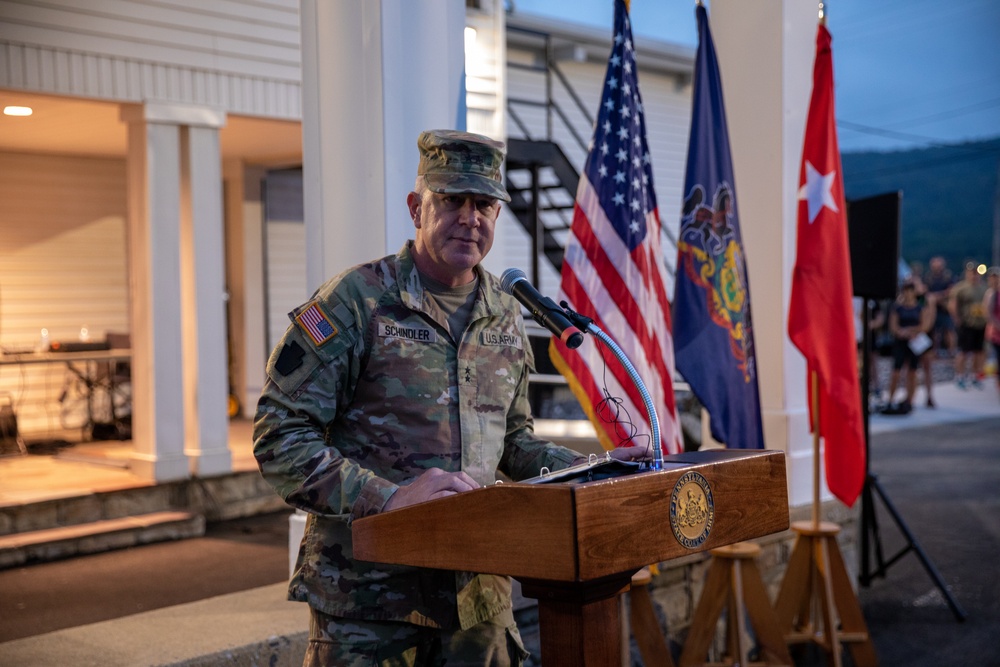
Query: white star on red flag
point(817, 191)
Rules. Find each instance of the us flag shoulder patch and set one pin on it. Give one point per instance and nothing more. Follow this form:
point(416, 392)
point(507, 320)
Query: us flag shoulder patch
point(315, 323)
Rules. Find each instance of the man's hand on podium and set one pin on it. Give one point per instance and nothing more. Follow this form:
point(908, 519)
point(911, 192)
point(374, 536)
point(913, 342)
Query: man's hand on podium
point(431, 484)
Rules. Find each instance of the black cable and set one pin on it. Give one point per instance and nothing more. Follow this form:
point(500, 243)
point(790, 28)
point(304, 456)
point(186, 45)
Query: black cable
point(612, 410)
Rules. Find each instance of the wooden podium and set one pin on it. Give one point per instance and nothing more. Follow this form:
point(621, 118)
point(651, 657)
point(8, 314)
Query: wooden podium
point(574, 545)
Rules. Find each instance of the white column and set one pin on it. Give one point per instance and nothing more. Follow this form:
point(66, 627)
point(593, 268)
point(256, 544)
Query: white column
point(423, 58)
point(154, 196)
point(206, 360)
point(180, 354)
point(766, 51)
point(374, 75)
point(245, 280)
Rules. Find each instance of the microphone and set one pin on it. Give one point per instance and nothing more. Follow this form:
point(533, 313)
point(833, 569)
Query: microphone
point(543, 309)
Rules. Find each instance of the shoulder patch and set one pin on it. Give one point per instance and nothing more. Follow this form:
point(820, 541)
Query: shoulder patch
point(315, 323)
point(289, 358)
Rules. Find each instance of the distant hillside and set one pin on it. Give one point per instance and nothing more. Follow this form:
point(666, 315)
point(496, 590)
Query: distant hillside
point(949, 196)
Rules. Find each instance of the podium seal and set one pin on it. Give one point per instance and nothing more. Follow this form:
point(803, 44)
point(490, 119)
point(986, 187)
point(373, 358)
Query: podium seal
point(692, 510)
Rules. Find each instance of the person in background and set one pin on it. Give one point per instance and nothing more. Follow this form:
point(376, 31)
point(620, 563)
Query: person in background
point(402, 380)
point(991, 305)
point(906, 322)
point(967, 310)
point(876, 320)
point(939, 281)
point(928, 309)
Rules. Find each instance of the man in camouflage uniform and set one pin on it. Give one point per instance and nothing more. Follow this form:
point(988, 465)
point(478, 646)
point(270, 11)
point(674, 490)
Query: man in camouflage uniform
point(403, 380)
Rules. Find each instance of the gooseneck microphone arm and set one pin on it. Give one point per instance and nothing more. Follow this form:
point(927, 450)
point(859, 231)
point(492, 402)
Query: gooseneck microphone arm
point(588, 325)
point(566, 325)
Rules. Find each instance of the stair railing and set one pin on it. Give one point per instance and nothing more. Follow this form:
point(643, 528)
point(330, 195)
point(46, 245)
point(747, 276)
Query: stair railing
point(548, 68)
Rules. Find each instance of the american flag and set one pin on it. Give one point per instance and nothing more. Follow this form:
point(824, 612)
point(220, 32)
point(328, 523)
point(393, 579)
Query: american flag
point(316, 324)
point(613, 269)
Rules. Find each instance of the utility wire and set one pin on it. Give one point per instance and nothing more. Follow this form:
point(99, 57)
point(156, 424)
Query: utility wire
point(954, 113)
point(928, 142)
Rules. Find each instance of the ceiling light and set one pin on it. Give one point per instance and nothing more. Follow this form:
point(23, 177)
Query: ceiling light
point(16, 111)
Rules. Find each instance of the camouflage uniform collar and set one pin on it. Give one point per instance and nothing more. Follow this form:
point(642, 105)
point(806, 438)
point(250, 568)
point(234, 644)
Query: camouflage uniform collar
point(411, 289)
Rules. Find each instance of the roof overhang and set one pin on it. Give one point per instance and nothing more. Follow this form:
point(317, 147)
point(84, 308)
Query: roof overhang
point(572, 41)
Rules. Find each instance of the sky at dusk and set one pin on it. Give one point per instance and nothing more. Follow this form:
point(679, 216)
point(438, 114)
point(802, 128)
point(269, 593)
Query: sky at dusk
point(908, 73)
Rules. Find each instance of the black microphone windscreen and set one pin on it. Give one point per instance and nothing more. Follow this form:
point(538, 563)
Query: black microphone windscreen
point(509, 277)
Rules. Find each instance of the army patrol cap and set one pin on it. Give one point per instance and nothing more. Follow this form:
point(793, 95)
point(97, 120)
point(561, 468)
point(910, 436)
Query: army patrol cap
point(454, 162)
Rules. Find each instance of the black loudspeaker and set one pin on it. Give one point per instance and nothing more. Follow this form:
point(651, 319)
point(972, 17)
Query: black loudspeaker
point(873, 234)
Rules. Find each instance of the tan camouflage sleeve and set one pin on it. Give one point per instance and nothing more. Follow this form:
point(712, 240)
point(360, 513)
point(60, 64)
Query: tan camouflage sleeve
point(291, 443)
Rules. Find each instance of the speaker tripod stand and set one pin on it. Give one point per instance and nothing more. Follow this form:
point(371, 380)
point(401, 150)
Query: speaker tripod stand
point(870, 535)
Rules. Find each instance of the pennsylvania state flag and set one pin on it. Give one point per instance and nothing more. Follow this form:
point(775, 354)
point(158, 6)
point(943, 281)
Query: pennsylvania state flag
point(713, 334)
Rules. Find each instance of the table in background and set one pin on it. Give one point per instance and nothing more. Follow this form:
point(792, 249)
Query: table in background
point(95, 371)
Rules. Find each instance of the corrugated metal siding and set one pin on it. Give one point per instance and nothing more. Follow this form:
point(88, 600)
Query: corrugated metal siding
point(285, 249)
point(287, 286)
point(243, 57)
point(484, 74)
point(63, 266)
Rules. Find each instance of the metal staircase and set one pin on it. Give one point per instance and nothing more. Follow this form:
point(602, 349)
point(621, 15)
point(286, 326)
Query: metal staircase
point(542, 184)
point(548, 135)
point(541, 179)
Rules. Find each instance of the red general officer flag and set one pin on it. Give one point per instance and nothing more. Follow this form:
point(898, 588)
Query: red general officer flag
point(820, 315)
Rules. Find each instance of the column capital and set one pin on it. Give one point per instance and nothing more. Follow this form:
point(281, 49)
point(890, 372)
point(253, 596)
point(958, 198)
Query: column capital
point(171, 113)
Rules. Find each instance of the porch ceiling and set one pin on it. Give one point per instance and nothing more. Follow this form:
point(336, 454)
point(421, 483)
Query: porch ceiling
point(70, 126)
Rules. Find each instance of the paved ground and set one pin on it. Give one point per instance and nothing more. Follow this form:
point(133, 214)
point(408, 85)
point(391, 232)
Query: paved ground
point(945, 482)
point(953, 405)
point(232, 556)
point(940, 468)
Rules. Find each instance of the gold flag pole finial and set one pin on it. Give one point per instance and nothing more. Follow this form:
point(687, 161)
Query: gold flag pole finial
point(628, 6)
point(822, 13)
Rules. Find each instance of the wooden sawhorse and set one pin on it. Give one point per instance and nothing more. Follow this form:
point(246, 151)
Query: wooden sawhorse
point(816, 577)
point(733, 580)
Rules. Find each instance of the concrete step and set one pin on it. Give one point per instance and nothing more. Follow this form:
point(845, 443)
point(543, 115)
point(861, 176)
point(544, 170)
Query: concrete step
point(67, 522)
point(48, 544)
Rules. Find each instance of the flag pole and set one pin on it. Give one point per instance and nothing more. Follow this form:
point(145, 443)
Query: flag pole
point(814, 380)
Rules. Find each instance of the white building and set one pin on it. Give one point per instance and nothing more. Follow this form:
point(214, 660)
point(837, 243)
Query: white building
point(157, 189)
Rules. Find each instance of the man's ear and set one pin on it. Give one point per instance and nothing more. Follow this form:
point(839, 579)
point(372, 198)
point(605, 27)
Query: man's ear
point(413, 202)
